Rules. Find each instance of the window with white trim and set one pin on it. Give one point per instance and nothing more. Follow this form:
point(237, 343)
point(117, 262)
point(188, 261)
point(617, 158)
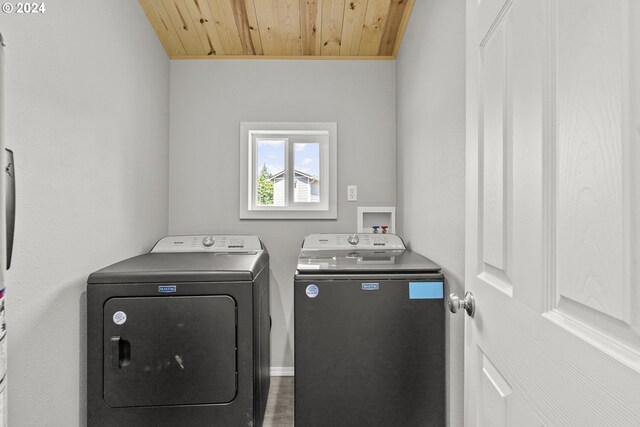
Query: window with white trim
point(288, 170)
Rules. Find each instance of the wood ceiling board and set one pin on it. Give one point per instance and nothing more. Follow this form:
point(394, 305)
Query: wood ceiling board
point(223, 16)
point(354, 12)
point(332, 19)
point(358, 29)
point(208, 23)
point(164, 23)
point(279, 25)
point(181, 20)
point(205, 27)
point(289, 18)
point(394, 20)
point(375, 21)
point(161, 32)
point(267, 19)
point(311, 26)
point(403, 27)
point(253, 27)
point(242, 24)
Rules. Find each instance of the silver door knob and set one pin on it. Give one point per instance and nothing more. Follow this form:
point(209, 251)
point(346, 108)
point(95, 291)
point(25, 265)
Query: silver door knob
point(468, 303)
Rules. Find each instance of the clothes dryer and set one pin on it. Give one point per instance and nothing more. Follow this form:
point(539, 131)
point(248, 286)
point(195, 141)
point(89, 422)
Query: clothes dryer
point(180, 336)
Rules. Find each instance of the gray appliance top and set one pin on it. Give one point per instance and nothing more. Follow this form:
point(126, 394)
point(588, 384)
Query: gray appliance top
point(189, 263)
point(364, 253)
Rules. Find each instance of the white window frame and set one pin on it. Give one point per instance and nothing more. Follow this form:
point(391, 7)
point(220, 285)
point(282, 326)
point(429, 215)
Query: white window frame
point(291, 132)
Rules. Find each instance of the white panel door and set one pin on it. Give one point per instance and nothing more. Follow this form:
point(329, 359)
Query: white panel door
point(553, 213)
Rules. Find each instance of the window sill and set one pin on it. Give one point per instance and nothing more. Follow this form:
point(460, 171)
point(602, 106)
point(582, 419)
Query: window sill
point(289, 214)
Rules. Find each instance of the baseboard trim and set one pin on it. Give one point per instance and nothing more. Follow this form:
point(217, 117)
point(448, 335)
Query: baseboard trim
point(281, 371)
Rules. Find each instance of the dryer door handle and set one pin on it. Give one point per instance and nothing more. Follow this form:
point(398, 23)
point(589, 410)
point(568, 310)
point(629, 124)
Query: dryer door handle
point(114, 353)
point(119, 352)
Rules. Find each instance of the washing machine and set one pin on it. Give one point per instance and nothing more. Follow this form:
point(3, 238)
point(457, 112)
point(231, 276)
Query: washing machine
point(180, 336)
point(369, 333)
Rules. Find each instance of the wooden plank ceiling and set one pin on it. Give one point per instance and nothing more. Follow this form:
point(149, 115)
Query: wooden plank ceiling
point(338, 29)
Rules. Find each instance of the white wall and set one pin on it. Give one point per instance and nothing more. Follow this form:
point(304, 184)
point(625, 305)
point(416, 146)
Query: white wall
point(209, 99)
point(430, 140)
point(87, 116)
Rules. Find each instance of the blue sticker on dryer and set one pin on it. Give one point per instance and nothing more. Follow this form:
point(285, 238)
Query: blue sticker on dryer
point(167, 289)
point(370, 286)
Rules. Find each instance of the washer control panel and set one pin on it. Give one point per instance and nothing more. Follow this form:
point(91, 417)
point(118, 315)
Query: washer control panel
point(208, 243)
point(361, 241)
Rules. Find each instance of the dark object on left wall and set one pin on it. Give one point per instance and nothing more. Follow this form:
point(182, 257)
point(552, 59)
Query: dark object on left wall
point(10, 203)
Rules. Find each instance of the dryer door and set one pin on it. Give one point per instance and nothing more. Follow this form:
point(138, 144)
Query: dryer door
point(169, 350)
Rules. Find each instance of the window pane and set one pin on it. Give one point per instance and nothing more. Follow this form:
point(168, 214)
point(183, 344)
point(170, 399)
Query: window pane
point(306, 187)
point(270, 172)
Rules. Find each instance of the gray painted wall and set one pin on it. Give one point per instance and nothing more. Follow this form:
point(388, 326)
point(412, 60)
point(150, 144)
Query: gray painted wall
point(431, 161)
point(209, 99)
point(87, 97)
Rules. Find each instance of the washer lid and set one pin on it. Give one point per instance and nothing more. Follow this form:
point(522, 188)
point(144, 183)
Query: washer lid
point(360, 262)
point(359, 253)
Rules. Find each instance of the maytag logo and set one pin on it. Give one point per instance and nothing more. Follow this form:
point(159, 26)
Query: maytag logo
point(167, 289)
point(370, 286)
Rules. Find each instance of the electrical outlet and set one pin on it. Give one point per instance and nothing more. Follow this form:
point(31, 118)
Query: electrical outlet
point(352, 193)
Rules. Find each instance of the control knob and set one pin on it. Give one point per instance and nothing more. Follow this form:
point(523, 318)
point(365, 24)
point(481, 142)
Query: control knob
point(208, 241)
point(353, 239)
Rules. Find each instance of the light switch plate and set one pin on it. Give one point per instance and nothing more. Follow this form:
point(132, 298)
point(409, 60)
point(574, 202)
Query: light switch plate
point(352, 193)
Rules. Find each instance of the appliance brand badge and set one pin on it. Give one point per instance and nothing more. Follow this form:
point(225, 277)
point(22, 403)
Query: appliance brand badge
point(370, 286)
point(119, 317)
point(312, 291)
point(167, 289)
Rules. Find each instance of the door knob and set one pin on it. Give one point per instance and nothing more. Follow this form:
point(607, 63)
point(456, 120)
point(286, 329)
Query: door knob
point(468, 303)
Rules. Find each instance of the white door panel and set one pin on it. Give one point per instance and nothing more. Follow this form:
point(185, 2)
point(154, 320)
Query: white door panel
point(595, 282)
point(553, 212)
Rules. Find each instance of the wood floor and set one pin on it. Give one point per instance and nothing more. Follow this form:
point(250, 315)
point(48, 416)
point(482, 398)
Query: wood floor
point(279, 412)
